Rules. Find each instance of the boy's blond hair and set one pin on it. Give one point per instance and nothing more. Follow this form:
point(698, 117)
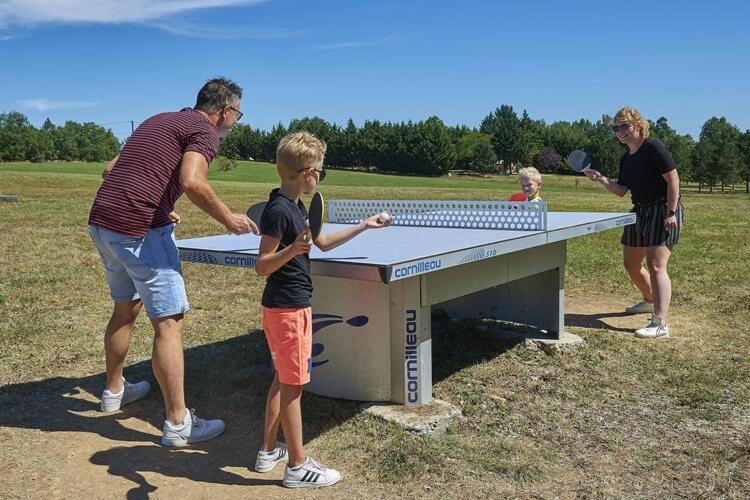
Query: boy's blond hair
point(298, 151)
point(530, 173)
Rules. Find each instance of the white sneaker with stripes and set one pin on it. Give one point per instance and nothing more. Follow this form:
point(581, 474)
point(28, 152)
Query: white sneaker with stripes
point(267, 460)
point(656, 329)
point(310, 474)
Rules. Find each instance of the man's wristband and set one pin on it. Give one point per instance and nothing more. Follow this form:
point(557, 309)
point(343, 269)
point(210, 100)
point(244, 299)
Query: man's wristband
point(671, 213)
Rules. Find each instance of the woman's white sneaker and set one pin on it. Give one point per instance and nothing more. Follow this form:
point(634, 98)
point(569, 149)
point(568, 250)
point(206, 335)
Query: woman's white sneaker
point(128, 394)
point(656, 329)
point(310, 474)
point(191, 430)
point(640, 308)
point(267, 460)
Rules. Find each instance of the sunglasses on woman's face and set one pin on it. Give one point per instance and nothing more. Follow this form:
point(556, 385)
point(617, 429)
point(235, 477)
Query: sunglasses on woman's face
point(620, 128)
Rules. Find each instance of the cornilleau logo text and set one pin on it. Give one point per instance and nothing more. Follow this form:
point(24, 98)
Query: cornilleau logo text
point(625, 220)
point(418, 268)
point(411, 367)
point(240, 261)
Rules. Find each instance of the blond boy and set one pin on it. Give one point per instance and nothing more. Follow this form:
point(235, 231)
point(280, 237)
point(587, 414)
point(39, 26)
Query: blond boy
point(531, 182)
point(284, 256)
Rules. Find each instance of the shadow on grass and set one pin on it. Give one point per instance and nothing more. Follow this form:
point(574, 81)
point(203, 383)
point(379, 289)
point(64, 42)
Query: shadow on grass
point(596, 321)
point(227, 380)
point(458, 344)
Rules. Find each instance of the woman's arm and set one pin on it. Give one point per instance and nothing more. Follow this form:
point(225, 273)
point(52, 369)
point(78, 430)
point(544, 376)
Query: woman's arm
point(611, 186)
point(673, 196)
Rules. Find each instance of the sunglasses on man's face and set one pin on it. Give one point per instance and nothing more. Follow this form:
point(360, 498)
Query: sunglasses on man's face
point(620, 128)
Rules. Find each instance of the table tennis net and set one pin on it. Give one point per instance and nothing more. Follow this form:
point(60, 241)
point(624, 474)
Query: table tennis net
point(517, 216)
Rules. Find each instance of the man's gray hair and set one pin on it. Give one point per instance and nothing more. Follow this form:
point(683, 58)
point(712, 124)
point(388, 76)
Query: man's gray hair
point(217, 93)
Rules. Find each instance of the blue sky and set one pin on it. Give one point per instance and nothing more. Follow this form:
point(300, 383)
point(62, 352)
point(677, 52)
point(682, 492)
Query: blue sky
point(111, 61)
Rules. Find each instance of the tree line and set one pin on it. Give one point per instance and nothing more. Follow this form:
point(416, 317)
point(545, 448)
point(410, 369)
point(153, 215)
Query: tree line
point(21, 141)
point(720, 157)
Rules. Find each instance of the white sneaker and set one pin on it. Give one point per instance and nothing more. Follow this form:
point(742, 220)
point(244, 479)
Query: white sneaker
point(310, 474)
point(640, 308)
point(267, 460)
point(191, 430)
point(656, 329)
point(128, 394)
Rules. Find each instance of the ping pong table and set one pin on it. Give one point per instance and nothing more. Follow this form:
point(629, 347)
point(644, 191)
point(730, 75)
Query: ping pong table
point(374, 295)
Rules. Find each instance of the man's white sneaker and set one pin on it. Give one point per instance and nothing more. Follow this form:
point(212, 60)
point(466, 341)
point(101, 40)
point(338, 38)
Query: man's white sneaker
point(656, 329)
point(128, 394)
point(310, 474)
point(191, 430)
point(640, 308)
point(267, 460)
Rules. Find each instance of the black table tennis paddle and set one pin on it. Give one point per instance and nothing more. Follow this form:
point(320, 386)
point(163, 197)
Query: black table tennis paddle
point(315, 216)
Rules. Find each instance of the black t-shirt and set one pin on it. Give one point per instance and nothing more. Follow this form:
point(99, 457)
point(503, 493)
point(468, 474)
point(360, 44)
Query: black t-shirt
point(642, 171)
point(290, 285)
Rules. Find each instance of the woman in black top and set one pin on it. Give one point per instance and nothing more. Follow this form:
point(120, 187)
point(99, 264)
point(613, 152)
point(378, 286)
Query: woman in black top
point(648, 172)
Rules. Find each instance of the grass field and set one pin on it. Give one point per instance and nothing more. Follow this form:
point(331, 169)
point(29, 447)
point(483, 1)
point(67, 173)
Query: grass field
point(615, 417)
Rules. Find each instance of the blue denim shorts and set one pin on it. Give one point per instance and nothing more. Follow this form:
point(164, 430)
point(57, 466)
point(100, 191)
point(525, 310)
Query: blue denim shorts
point(145, 268)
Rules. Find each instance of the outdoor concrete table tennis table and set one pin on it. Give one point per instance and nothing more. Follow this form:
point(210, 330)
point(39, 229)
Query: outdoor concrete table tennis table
point(374, 295)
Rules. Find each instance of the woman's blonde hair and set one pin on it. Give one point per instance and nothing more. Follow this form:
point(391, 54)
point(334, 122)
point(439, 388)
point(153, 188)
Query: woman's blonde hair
point(632, 117)
point(298, 151)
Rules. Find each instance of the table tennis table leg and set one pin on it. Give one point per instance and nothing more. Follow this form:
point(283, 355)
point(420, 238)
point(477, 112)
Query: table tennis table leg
point(411, 344)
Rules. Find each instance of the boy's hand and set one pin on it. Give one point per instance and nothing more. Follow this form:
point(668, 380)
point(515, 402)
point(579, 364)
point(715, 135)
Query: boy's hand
point(174, 217)
point(240, 224)
point(302, 243)
point(373, 222)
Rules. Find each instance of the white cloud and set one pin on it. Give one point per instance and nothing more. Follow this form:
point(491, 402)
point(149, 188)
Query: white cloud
point(349, 45)
point(40, 104)
point(32, 12)
point(224, 33)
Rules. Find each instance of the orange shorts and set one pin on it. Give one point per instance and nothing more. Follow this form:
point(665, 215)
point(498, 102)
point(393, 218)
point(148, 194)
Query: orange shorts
point(289, 336)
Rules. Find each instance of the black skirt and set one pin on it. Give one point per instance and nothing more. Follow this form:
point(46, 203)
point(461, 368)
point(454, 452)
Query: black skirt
point(648, 230)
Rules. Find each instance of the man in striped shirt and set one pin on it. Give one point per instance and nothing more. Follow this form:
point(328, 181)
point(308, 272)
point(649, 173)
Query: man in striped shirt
point(131, 223)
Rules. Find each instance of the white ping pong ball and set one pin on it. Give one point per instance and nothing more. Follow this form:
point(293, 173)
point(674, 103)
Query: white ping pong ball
point(383, 217)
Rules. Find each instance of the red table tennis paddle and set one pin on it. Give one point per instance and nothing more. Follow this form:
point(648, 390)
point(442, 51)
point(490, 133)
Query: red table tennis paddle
point(517, 197)
point(315, 216)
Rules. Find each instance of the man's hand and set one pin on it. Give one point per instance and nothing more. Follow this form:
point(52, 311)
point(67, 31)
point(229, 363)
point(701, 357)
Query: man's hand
point(174, 217)
point(240, 224)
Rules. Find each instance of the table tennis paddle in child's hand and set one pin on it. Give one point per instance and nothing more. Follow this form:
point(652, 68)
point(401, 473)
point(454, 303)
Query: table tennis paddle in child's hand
point(315, 216)
point(517, 197)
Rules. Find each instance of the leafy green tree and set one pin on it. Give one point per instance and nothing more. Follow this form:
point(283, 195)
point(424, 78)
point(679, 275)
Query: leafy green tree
point(717, 155)
point(475, 152)
point(680, 146)
point(745, 159)
point(14, 131)
point(271, 142)
point(507, 136)
point(601, 144)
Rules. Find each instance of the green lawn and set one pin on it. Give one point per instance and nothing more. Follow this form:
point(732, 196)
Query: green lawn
point(616, 417)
